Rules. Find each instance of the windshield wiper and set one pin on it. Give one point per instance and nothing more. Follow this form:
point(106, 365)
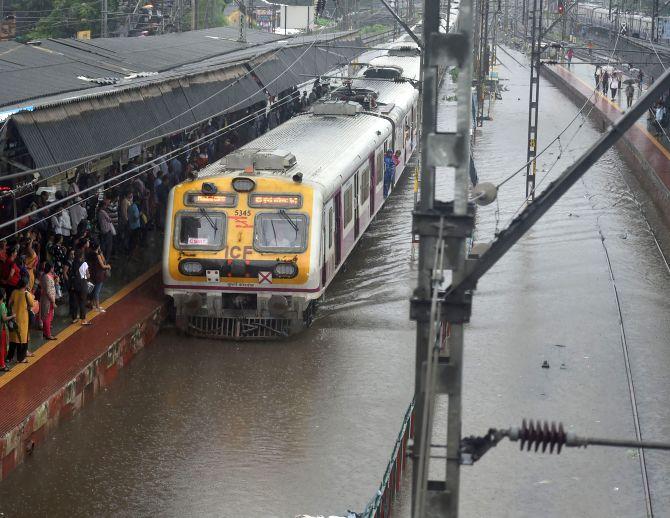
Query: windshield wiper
point(209, 219)
point(290, 221)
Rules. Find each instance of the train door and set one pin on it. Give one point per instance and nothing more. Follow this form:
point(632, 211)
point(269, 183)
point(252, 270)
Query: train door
point(357, 199)
point(324, 249)
point(373, 183)
point(338, 228)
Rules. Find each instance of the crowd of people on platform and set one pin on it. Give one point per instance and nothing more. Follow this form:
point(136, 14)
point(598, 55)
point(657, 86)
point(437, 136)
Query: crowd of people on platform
point(65, 245)
point(612, 81)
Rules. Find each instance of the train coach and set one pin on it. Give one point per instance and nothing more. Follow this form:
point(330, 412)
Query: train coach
point(253, 242)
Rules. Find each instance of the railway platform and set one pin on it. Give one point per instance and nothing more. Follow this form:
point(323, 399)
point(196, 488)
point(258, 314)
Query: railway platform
point(647, 154)
point(65, 374)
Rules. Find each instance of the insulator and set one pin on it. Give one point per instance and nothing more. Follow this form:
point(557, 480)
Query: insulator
point(542, 434)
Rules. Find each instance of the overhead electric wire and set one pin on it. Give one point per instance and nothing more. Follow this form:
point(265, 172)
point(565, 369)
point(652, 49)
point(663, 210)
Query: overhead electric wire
point(139, 170)
point(546, 174)
point(558, 136)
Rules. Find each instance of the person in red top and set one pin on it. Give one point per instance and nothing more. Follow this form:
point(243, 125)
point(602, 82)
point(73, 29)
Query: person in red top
point(3, 252)
point(396, 158)
point(10, 272)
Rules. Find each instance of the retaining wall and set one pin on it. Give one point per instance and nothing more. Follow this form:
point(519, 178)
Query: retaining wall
point(22, 439)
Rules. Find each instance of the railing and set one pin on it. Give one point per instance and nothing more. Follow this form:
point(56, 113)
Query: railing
point(381, 504)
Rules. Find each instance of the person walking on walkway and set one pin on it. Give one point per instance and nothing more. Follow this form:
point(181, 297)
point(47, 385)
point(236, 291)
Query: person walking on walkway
point(21, 303)
point(569, 55)
point(5, 318)
point(605, 82)
point(597, 75)
point(47, 300)
point(614, 85)
point(630, 92)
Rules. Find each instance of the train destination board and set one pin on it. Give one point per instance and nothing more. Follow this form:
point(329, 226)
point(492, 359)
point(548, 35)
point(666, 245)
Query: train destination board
point(280, 201)
point(226, 199)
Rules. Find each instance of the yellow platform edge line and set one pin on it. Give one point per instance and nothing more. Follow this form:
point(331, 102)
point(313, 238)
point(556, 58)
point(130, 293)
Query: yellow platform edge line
point(73, 328)
point(644, 130)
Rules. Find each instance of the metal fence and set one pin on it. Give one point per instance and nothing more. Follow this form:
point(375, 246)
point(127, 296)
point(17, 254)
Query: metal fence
point(381, 504)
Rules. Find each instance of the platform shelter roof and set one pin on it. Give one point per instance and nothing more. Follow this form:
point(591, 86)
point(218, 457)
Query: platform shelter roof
point(62, 128)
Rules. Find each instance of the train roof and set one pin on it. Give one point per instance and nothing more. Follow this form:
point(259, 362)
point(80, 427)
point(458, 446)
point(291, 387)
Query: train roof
point(410, 65)
point(326, 148)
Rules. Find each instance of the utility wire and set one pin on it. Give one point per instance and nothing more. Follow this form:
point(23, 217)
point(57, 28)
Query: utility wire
point(140, 169)
point(558, 136)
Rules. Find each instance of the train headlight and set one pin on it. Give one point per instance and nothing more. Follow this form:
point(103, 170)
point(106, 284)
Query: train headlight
point(191, 268)
point(243, 184)
point(285, 270)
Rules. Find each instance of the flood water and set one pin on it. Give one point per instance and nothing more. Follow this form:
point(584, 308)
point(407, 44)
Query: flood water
point(208, 428)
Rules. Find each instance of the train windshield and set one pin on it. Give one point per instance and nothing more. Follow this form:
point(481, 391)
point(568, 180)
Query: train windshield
point(280, 232)
point(200, 230)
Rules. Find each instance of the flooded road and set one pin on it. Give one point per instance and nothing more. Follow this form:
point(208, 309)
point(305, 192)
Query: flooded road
point(207, 428)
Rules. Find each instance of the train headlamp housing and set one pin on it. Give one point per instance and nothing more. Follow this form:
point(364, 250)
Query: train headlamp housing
point(191, 267)
point(243, 184)
point(285, 270)
point(209, 188)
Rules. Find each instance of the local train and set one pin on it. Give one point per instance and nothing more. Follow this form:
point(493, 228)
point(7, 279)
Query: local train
point(253, 242)
point(629, 23)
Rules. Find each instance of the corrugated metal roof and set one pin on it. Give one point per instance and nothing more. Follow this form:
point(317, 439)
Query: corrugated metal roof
point(37, 74)
point(31, 71)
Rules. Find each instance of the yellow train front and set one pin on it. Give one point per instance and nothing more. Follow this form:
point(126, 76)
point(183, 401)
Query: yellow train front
point(237, 258)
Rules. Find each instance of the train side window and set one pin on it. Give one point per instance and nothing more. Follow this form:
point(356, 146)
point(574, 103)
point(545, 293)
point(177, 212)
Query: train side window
point(331, 220)
point(380, 168)
point(348, 212)
point(365, 185)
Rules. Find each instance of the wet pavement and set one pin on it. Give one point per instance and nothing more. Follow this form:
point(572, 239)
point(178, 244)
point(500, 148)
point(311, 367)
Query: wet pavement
point(207, 428)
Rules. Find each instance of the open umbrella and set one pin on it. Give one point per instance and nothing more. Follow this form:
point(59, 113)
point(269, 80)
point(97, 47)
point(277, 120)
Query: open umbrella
point(629, 81)
point(607, 68)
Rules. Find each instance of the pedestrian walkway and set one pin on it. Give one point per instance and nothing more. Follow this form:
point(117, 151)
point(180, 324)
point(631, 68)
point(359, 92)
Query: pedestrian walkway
point(580, 78)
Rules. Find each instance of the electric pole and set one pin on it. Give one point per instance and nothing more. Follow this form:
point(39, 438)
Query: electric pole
point(243, 21)
point(654, 16)
point(536, 49)
point(103, 29)
point(442, 228)
point(194, 15)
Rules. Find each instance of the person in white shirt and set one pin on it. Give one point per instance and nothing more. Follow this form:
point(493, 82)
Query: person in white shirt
point(77, 214)
point(79, 288)
point(66, 223)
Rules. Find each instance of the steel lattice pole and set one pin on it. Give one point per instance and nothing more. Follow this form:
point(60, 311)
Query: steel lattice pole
point(440, 498)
